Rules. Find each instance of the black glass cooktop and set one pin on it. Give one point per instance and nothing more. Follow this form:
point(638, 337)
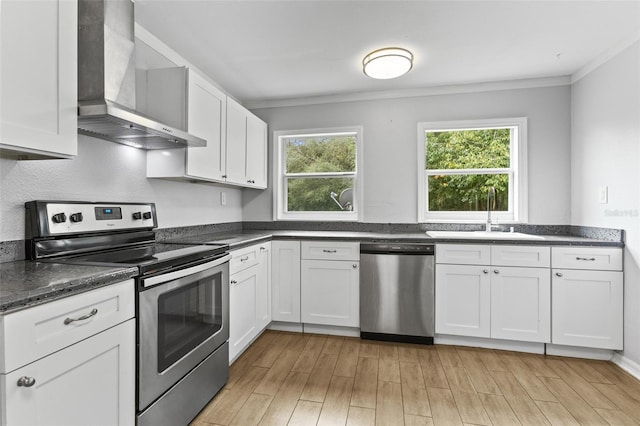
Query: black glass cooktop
point(151, 258)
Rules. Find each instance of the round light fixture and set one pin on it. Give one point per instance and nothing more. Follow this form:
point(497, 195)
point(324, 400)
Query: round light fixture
point(390, 62)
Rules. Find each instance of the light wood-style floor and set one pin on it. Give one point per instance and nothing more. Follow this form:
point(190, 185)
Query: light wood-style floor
point(307, 379)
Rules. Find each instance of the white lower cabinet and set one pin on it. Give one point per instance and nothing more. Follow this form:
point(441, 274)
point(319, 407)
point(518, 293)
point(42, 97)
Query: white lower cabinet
point(588, 308)
point(330, 292)
point(463, 300)
point(91, 382)
point(70, 361)
point(243, 321)
point(249, 296)
point(493, 300)
point(521, 304)
point(285, 276)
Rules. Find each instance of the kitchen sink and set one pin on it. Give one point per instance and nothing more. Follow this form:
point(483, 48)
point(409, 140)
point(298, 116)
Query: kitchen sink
point(484, 235)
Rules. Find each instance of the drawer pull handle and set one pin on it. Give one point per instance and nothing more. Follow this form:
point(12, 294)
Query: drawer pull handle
point(27, 382)
point(244, 259)
point(263, 248)
point(233, 282)
point(590, 259)
point(495, 271)
point(329, 251)
point(485, 271)
point(93, 312)
point(558, 274)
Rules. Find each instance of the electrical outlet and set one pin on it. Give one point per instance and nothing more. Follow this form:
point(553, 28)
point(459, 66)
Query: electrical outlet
point(223, 198)
point(603, 195)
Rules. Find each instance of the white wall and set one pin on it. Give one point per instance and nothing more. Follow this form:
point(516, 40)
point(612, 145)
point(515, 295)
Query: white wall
point(606, 152)
point(107, 171)
point(390, 140)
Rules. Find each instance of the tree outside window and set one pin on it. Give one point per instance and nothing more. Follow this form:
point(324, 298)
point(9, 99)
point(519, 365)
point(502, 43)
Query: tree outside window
point(461, 161)
point(318, 175)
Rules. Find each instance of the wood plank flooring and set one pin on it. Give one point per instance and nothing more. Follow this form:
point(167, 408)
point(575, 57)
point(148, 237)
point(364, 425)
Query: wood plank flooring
point(309, 379)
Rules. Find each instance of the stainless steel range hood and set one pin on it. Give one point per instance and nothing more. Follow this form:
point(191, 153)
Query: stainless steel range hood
point(107, 82)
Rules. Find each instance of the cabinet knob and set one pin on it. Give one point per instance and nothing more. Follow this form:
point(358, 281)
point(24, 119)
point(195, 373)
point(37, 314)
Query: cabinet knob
point(495, 271)
point(263, 248)
point(485, 271)
point(251, 181)
point(27, 382)
point(558, 274)
point(355, 266)
point(224, 176)
point(234, 282)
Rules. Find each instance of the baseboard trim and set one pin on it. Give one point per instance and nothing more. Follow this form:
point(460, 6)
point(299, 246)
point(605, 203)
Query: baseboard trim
point(479, 342)
point(579, 352)
point(627, 365)
point(294, 327)
point(332, 330)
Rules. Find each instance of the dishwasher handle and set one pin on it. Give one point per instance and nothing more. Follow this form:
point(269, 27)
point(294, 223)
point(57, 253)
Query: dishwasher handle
point(398, 248)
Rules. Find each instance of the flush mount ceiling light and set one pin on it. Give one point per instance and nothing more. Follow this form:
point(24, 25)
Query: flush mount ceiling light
point(390, 62)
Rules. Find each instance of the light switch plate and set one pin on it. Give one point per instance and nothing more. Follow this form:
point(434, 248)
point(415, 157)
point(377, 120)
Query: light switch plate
point(603, 195)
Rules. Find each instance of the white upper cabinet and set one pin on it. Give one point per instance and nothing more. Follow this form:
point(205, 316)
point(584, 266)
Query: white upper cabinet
point(205, 118)
point(39, 101)
point(246, 147)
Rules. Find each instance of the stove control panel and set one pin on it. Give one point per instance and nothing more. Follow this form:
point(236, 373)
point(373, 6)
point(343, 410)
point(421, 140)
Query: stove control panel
point(55, 218)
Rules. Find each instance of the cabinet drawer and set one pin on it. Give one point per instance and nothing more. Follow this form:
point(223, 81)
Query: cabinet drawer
point(598, 258)
point(35, 332)
point(514, 255)
point(464, 254)
point(330, 250)
point(244, 258)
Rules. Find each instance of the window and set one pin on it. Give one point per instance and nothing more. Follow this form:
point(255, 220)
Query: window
point(460, 161)
point(317, 174)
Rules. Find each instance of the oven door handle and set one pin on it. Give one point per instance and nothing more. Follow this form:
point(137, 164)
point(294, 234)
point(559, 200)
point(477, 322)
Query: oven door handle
point(176, 275)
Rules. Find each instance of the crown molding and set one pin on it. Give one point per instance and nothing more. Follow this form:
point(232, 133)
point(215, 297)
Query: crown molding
point(528, 83)
point(605, 57)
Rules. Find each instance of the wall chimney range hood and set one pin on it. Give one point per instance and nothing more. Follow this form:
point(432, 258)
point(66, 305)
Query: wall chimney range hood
point(107, 82)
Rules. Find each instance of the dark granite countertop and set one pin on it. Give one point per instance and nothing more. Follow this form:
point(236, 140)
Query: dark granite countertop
point(28, 283)
point(242, 239)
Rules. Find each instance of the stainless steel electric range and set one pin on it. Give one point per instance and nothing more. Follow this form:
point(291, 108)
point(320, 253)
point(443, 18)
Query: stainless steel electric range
point(182, 298)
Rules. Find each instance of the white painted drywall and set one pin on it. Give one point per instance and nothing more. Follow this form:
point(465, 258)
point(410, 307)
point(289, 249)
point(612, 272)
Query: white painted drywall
point(605, 150)
point(390, 140)
point(107, 171)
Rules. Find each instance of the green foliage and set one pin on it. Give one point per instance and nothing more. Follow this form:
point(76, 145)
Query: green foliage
point(467, 149)
point(318, 155)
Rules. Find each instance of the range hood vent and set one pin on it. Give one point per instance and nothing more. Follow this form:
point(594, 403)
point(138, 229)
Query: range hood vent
point(106, 81)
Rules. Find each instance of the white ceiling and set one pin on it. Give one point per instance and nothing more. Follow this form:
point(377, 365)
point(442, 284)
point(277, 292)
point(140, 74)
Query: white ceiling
point(262, 51)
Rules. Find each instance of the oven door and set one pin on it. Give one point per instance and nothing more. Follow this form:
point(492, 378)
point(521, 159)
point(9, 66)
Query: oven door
point(183, 316)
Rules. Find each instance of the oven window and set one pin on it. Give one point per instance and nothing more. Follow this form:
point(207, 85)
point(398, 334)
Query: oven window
point(187, 316)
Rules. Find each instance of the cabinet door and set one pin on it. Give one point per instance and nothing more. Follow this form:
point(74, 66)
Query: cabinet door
point(207, 111)
point(263, 296)
point(285, 281)
point(256, 152)
point(463, 300)
point(39, 102)
point(91, 382)
point(587, 308)
point(243, 324)
point(236, 154)
point(330, 292)
point(521, 304)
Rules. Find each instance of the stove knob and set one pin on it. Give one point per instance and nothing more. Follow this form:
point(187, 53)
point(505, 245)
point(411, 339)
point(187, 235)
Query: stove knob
point(59, 218)
point(146, 215)
point(137, 216)
point(76, 217)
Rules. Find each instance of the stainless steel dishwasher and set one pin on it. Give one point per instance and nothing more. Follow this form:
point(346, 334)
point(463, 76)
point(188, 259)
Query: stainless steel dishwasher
point(397, 292)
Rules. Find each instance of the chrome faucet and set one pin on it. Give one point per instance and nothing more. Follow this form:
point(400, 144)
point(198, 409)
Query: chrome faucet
point(491, 194)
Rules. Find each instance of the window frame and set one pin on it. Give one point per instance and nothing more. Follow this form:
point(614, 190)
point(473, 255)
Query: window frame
point(279, 176)
point(518, 184)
